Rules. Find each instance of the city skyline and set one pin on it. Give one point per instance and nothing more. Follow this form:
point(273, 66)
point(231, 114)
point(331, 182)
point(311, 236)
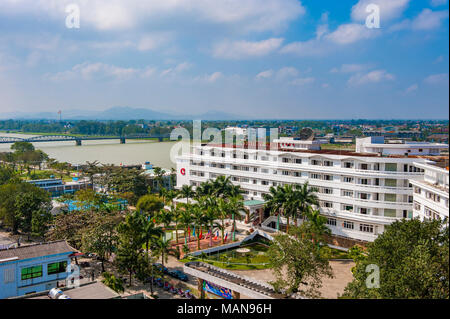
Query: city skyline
point(288, 59)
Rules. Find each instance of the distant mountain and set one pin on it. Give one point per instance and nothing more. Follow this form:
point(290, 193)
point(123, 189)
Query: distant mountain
point(124, 113)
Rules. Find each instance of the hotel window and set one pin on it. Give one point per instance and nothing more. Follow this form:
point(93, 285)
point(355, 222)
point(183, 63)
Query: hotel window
point(298, 161)
point(331, 221)
point(245, 156)
point(316, 162)
point(315, 176)
point(285, 172)
point(264, 158)
point(390, 182)
point(255, 169)
point(363, 210)
point(285, 160)
point(366, 228)
point(255, 181)
point(245, 180)
point(347, 193)
point(364, 181)
point(388, 212)
point(348, 225)
point(264, 170)
point(328, 177)
point(364, 166)
point(390, 167)
point(264, 182)
point(222, 166)
point(327, 163)
point(297, 174)
point(364, 196)
point(56, 268)
point(31, 272)
point(348, 164)
point(417, 190)
point(255, 193)
point(390, 197)
point(327, 204)
point(245, 168)
point(417, 206)
point(348, 179)
point(327, 190)
point(222, 154)
point(348, 208)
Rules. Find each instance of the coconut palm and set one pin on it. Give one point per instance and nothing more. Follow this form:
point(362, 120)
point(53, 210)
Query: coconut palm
point(274, 202)
point(318, 224)
point(163, 248)
point(186, 192)
point(165, 217)
point(185, 219)
point(198, 220)
point(235, 205)
point(305, 197)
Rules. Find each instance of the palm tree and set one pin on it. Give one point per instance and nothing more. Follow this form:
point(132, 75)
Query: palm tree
point(235, 205)
point(223, 210)
point(199, 220)
point(318, 224)
point(222, 186)
point(150, 231)
point(163, 248)
point(186, 192)
point(274, 202)
point(165, 217)
point(211, 214)
point(186, 220)
point(306, 197)
point(204, 189)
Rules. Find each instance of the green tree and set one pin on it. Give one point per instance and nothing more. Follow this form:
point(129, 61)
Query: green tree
point(130, 244)
point(413, 259)
point(187, 192)
point(298, 263)
point(113, 282)
point(150, 205)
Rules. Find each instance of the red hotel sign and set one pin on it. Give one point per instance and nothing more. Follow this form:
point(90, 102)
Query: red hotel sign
point(183, 171)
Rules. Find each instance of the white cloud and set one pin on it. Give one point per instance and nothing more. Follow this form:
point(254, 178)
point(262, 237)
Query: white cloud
point(350, 68)
point(412, 88)
point(88, 71)
point(425, 20)
point(389, 9)
point(428, 19)
point(214, 77)
point(177, 69)
point(129, 14)
point(375, 76)
point(153, 41)
point(436, 3)
point(352, 32)
point(287, 72)
point(302, 81)
point(434, 79)
point(265, 74)
point(245, 49)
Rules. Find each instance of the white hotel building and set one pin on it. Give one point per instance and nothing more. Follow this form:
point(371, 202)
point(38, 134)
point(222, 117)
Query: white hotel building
point(430, 197)
point(359, 192)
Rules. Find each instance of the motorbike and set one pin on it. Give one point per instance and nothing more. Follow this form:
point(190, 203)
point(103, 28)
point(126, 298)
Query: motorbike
point(188, 295)
point(180, 292)
point(173, 290)
point(166, 286)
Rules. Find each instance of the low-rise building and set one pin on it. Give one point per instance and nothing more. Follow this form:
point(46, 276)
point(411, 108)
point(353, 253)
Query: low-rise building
point(56, 187)
point(33, 268)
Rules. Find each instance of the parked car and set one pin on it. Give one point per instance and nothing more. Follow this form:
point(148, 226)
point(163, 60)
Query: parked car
point(161, 268)
point(178, 274)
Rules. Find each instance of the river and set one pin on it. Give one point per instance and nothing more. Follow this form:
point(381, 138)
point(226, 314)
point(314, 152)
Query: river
point(104, 151)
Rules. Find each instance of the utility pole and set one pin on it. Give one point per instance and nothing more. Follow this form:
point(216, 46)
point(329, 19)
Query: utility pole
point(59, 112)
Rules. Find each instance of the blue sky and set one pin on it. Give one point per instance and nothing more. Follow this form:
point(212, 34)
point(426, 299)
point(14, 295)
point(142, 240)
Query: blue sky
point(311, 59)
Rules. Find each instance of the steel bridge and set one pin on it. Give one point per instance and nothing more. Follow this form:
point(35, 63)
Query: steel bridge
point(78, 139)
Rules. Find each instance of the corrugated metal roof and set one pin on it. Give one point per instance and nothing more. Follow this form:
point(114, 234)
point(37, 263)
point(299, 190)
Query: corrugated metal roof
point(36, 250)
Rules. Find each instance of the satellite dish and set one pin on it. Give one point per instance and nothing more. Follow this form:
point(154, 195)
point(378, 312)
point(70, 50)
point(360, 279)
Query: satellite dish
point(306, 134)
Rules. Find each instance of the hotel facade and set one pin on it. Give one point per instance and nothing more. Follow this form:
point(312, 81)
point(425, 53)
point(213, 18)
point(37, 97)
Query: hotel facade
point(359, 192)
